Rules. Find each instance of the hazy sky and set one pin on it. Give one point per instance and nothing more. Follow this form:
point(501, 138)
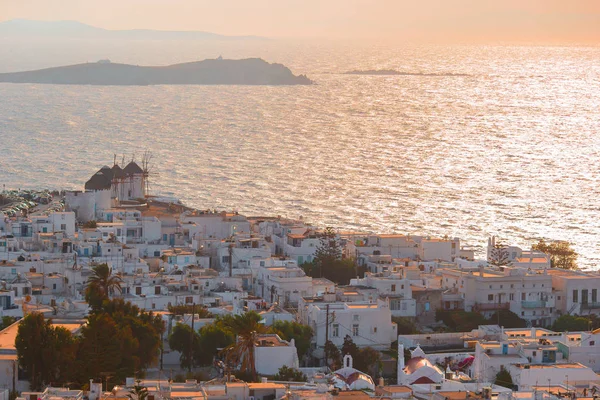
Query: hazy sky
point(509, 20)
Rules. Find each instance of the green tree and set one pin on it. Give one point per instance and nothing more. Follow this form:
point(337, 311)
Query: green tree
point(503, 378)
point(65, 347)
point(6, 322)
point(571, 323)
point(181, 309)
point(288, 374)
point(138, 393)
point(406, 326)
point(328, 250)
point(302, 334)
point(507, 319)
point(100, 285)
point(561, 253)
point(146, 327)
point(461, 321)
point(333, 356)
point(35, 349)
point(185, 341)
point(211, 339)
point(91, 224)
point(499, 255)
point(103, 346)
point(246, 328)
point(368, 360)
point(349, 347)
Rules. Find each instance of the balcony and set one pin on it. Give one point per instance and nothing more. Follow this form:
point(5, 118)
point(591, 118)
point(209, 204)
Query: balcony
point(491, 306)
point(533, 304)
point(590, 306)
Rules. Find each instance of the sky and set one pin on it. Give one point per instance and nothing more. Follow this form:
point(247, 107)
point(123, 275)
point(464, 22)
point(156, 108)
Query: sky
point(465, 20)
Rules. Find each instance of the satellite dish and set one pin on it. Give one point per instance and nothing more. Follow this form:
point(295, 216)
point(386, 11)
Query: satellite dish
point(27, 298)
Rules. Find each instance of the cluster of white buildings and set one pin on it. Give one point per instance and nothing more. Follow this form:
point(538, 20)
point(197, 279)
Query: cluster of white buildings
point(168, 254)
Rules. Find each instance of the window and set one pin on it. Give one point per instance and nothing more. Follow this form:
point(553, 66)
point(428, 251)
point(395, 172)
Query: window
point(207, 284)
point(393, 288)
point(189, 300)
point(63, 227)
point(54, 286)
point(512, 285)
point(501, 286)
point(138, 290)
point(522, 313)
point(592, 342)
point(401, 286)
point(262, 263)
point(336, 330)
point(490, 286)
point(575, 296)
point(534, 285)
point(355, 317)
point(523, 296)
point(594, 295)
point(558, 297)
point(375, 329)
point(511, 296)
point(490, 297)
point(534, 353)
point(355, 330)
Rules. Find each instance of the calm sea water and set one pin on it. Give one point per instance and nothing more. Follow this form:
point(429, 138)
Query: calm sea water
point(511, 149)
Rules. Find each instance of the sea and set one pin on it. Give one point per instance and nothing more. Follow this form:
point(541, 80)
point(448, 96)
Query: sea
point(471, 141)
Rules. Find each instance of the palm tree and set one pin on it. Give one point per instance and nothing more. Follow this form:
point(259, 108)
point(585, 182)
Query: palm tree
point(138, 393)
point(103, 280)
point(247, 328)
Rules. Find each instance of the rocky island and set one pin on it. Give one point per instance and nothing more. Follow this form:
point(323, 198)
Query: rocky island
point(251, 71)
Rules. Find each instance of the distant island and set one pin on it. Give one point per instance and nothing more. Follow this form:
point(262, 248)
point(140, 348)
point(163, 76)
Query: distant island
point(251, 71)
point(394, 72)
point(73, 29)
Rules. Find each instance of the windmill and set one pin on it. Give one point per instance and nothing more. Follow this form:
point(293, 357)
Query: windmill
point(148, 170)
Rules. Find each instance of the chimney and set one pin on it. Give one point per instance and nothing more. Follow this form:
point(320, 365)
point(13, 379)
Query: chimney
point(381, 381)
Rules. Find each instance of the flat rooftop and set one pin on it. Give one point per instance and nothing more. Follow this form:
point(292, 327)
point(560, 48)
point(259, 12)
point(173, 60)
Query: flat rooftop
point(551, 366)
point(9, 335)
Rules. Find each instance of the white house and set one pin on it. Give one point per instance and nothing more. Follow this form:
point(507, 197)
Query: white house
point(284, 285)
point(526, 376)
point(490, 357)
point(576, 291)
point(393, 287)
point(527, 294)
point(271, 353)
point(368, 324)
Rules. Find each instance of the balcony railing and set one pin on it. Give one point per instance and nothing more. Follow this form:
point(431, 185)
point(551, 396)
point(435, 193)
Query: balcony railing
point(533, 304)
point(491, 306)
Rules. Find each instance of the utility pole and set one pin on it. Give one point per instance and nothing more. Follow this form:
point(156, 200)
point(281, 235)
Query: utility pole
point(230, 260)
point(192, 339)
point(326, 332)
